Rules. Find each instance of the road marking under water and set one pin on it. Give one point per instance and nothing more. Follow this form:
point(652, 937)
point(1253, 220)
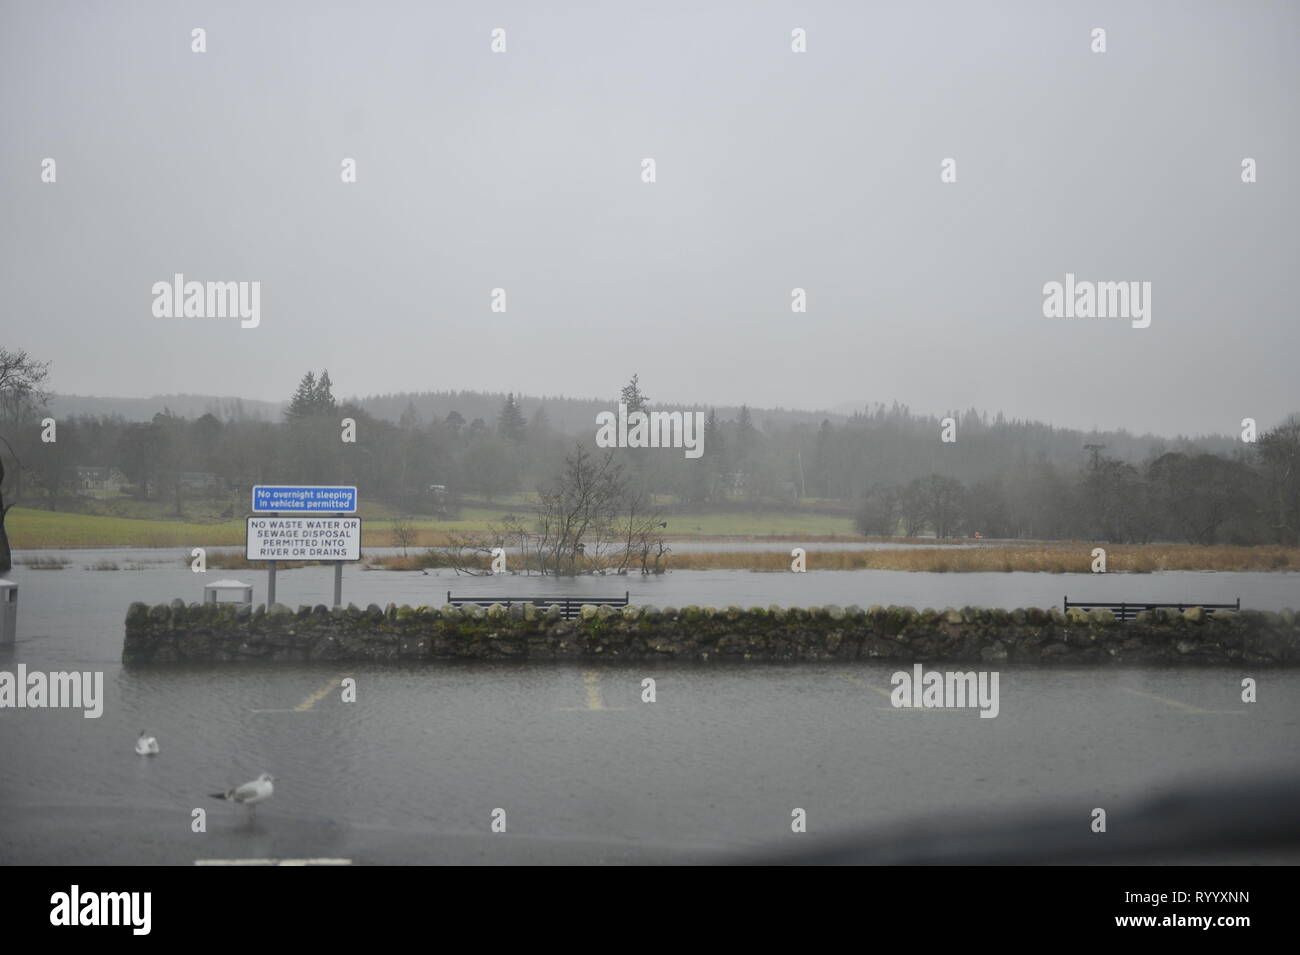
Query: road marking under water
point(311, 701)
point(865, 685)
point(595, 700)
point(272, 861)
point(1184, 707)
point(319, 695)
point(889, 696)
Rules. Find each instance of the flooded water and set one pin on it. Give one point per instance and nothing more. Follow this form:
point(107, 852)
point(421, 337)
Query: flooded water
point(767, 546)
point(101, 597)
point(585, 770)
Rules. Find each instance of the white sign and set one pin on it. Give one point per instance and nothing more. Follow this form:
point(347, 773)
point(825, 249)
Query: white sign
point(303, 538)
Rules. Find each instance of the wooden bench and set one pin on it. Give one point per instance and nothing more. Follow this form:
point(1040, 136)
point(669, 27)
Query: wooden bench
point(1125, 612)
point(570, 607)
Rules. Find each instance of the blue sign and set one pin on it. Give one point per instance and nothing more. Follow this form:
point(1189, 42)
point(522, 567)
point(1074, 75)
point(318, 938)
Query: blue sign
point(294, 498)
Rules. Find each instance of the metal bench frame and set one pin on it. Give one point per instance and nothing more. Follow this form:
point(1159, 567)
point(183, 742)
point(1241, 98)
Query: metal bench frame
point(1128, 611)
point(570, 607)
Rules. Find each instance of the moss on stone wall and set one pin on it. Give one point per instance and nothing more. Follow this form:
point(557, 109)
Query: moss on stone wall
point(180, 633)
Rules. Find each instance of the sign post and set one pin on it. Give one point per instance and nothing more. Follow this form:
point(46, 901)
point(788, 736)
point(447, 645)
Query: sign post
point(303, 522)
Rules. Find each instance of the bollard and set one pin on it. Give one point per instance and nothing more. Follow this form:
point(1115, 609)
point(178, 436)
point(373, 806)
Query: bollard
point(8, 612)
point(212, 592)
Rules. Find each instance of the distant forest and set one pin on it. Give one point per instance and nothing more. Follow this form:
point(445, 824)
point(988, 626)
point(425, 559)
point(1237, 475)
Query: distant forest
point(886, 465)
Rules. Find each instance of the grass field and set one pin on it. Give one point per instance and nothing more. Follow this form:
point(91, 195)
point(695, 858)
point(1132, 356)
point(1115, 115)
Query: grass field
point(31, 529)
point(44, 530)
point(1064, 557)
point(48, 530)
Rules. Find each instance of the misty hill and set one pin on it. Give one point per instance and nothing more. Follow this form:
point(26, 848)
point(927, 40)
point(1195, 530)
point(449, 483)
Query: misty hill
point(575, 416)
point(889, 437)
point(569, 415)
point(186, 406)
point(895, 468)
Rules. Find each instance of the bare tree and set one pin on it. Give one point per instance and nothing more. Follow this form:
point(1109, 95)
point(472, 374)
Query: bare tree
point(942, 504)
point(1114, 499)
point(403, 533)
point(578, 510)
point(877, 515)
point(472, 553)
point(22, 394)
point(912, 508)
point(469, 553)
point(639, 523)
point(1279, 451)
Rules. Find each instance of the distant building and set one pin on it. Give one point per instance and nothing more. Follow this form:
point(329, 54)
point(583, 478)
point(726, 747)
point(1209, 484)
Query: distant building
point(439, 500)
point(95, 478)
point(198, 480)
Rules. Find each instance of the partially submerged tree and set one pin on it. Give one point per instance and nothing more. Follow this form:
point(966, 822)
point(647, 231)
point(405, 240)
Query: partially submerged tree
point(590, 518)
point(577, 511)
point(403, 533)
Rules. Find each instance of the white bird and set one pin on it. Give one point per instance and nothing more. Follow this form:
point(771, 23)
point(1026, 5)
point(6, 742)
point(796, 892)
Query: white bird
point(146, 745)
point(250, 794)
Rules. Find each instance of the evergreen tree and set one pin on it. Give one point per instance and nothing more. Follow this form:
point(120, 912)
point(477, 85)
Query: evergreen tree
point(303, 401)
point(510, 423)
point(540, 422)
point(632, 396)
point(712, 433)
point(715, 458)
point(746, 434)
point(312, 397)
point(324, 402)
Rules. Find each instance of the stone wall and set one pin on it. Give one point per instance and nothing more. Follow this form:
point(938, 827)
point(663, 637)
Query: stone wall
point(177, 633)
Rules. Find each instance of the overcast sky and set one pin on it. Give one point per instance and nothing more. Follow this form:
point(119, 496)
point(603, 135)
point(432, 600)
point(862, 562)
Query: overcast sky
point(775, 170)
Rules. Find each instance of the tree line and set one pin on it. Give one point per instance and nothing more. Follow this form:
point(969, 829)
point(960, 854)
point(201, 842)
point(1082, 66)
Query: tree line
point(885, 465)
point(1201, 498)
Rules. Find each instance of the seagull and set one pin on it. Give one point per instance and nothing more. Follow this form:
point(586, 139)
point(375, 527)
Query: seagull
point(249, 794)
point(146, 745)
